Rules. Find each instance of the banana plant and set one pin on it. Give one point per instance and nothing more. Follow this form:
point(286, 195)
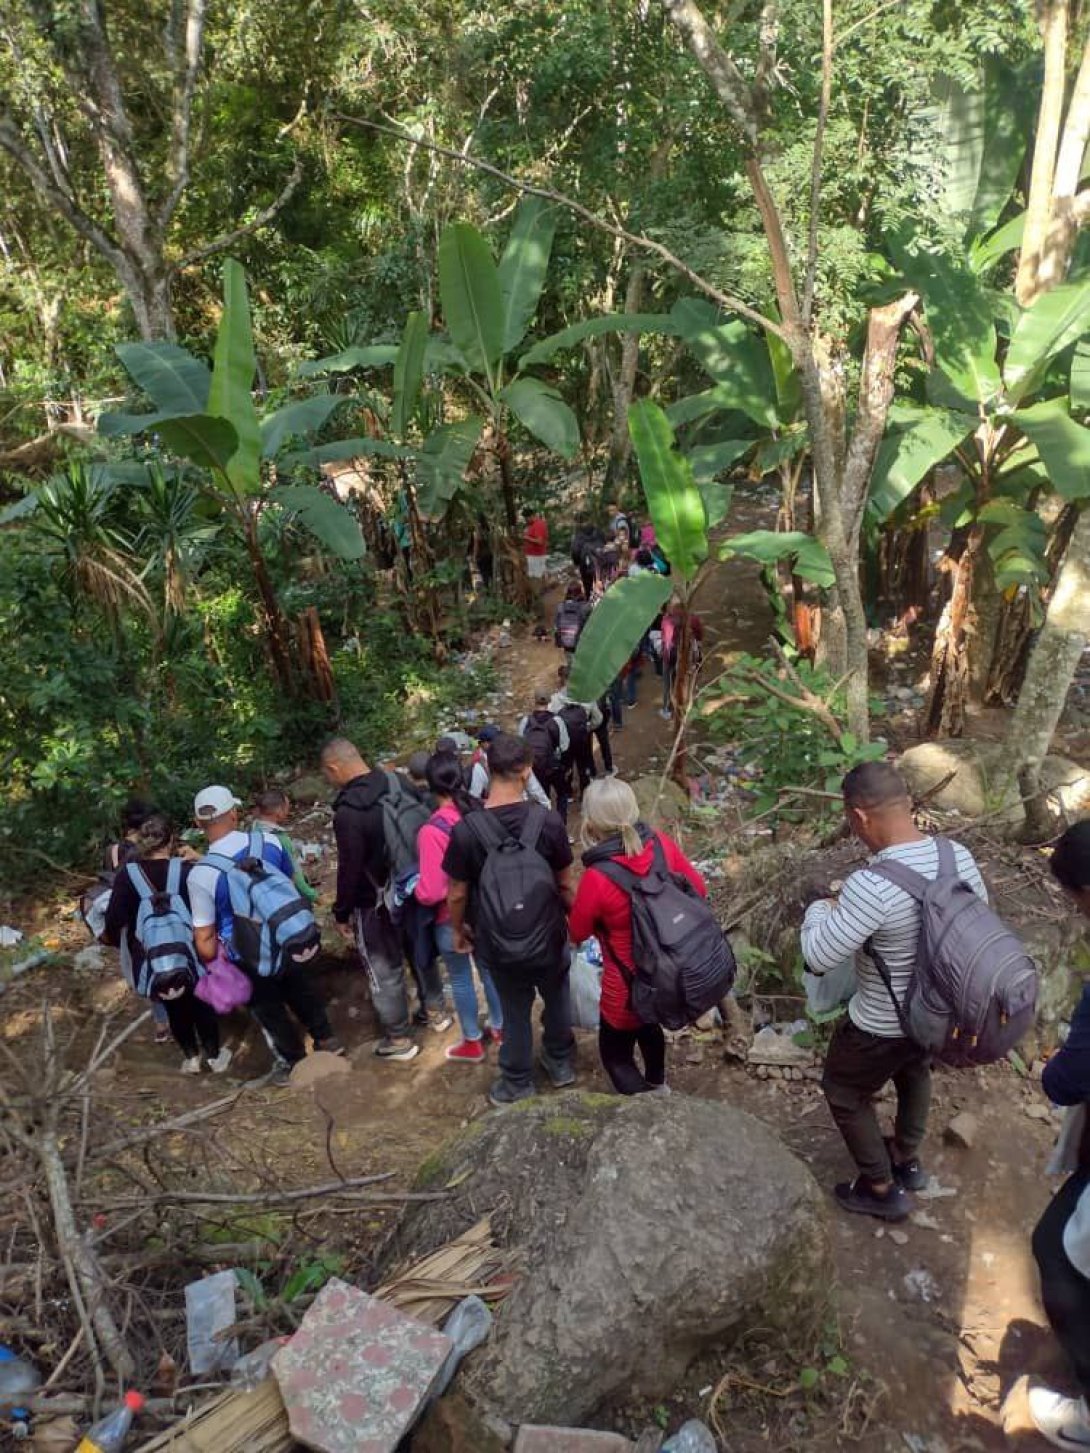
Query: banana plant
point(488, 309)
point(208, 417)
point(625, 613)
point(1002, 403)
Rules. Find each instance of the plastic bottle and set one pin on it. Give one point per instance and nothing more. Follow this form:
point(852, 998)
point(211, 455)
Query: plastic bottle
point(109, 1434)
point(17, 1378)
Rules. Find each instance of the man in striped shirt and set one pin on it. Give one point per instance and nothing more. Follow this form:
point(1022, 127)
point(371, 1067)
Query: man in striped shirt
point(870, 1048)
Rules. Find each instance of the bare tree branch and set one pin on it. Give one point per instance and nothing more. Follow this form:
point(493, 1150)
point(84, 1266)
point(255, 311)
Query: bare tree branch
point(182, 111)
point(730, 85)
point(263, 218)
point(11, 140)
point(633, 239)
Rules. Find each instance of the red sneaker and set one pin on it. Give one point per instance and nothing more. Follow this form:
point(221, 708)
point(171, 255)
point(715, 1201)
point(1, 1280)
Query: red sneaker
point(469, 1051)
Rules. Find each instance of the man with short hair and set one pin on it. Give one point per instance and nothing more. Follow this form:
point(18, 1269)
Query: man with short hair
point(215, 810)
point(870, 1048)
point(360, 912)
point(509, 763)
point(478, 777)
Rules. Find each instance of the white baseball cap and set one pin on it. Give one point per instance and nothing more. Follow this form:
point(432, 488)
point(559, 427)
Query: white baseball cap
point(213, 802)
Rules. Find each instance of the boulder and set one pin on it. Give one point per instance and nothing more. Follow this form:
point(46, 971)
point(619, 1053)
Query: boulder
point(646, 1230)
point(308, 789)
point(660, 808)
point(977, 768)
point(317, 1066)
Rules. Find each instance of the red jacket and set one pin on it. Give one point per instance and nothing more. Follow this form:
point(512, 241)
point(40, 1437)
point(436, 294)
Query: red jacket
point(603, 909)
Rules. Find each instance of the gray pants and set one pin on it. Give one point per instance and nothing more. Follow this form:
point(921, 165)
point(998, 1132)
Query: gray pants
point(379, 946)
point(857, 1066)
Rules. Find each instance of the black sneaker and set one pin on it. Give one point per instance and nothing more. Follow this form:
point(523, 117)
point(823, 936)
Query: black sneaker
point(860, 1197)
point(278, 1078)
point(561, 1074)
point(907, 1173)
point(332, 1045)
point(502, 1093)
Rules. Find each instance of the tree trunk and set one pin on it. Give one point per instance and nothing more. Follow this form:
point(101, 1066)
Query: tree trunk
point(1051, 669)
point(1049, 117)
point(944, 713)
point(1007, 669)
point(274, 626)
point(624, 387)
point(313, 654)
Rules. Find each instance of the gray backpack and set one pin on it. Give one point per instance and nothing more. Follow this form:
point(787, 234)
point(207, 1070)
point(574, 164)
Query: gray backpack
point(973, 991)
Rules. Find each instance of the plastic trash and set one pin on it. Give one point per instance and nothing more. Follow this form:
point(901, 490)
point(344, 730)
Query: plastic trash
point(9, 937)
point(210, 1308)
point(585, 986)
point(825, 992)
point(252, 1370)
point(692, 1437)
point(110, 1434)
point(18, 1378)
point(467, 1327)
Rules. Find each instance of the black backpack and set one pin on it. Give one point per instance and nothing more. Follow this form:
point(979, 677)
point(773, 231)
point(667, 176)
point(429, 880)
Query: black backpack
point(577, 721)
point(519, 923)
point(684, 963)
point(543, 735)
point(569, 623)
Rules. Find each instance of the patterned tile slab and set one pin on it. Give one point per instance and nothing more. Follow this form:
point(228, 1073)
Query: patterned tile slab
point(356, 1371)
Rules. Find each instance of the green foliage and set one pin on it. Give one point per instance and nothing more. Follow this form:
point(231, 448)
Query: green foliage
point(789, 745)
point(806, 557)
point(675, 504)
point(612, 632)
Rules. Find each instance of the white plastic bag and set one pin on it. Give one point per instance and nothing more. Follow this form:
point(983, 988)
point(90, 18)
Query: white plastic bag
point(585, 983)
point(825, 992)
point(209, 1309)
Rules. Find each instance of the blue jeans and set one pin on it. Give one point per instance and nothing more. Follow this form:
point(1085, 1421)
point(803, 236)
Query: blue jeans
point(460, 973)
point(630, 682)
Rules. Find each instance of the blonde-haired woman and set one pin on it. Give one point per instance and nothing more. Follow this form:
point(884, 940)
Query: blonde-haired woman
point(612, 831)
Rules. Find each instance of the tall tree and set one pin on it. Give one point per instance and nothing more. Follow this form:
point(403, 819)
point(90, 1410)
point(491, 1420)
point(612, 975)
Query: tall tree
point(842, 457)
point(100, 121)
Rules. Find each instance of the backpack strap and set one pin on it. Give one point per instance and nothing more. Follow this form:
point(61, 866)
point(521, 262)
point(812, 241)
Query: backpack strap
point(221, 862)
point(887, 979)
point(948, 861)
point(486, 829)
point(257, 845)
point(174, 877)
point(141, 882)
point(533, 826)
point(901, 876)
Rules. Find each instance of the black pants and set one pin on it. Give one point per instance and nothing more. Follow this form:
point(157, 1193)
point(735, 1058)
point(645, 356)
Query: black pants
point(517, 991)
point(194, 1025)
point(618, 1050)
point(579, 762)
point(602, 733)
point(1064, 1290)
point(293, 990)
point(556, 783)
point(857, 1066)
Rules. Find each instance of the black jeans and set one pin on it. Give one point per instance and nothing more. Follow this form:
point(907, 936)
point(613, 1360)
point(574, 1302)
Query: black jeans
point(517, 991)
point(602, 733)
point(618, 1050)
point(378, 944)
point(1064, 1290)
point(293, 990)
point(857, 1066)
point(418, 941)
point(194, 1025)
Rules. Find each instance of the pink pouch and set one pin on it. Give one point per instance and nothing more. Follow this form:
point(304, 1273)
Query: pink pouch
point(223, 985)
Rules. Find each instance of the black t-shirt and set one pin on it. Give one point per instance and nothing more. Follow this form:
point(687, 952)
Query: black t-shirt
point(466, 854)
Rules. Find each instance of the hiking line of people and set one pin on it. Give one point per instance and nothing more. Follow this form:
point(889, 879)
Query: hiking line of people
point(470, 866)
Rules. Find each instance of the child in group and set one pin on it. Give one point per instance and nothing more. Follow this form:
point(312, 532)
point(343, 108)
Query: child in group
point(272, 809)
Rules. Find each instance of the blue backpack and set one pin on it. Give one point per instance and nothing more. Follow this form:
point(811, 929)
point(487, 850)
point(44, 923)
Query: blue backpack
point(164, 930)
point(273, 925)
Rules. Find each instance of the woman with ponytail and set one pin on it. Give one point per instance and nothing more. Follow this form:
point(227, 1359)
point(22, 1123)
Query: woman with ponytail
point(612, 830)
point(445, 781)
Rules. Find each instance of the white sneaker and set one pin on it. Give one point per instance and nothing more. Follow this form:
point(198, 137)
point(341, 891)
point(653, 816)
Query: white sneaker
point(191, 1066)
point(221, 1061)
point(1062, 1420)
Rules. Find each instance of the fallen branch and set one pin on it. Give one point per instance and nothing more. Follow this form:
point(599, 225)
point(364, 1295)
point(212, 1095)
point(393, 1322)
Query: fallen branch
point(352, 1189)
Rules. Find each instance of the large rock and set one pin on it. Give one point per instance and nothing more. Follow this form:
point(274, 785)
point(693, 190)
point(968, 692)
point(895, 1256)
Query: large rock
point(976, 768)
point(646, 1229)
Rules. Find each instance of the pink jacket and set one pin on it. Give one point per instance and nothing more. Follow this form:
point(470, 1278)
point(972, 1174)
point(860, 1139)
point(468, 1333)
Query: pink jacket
point(431, 848)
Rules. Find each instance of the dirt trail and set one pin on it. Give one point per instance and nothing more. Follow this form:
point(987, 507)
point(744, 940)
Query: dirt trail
point(933, 1372)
